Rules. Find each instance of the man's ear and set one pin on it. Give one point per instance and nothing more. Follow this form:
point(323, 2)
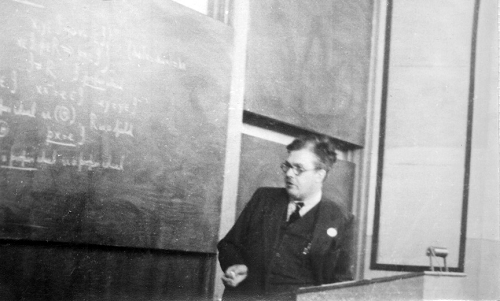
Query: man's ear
point(321, 175)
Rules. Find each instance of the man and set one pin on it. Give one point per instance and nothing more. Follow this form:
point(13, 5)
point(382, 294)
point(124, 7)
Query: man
point(290, 237)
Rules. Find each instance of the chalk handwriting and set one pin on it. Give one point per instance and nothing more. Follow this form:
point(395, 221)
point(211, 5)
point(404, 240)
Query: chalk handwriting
point(4, 108)
point(64, 66)
point(46, 28)
point(32, 65)
point(43, 159)
point(123, 128)
point(24, 160)
point(119, 128)
point(41, 46)
point(22, 111)
point(53, 135)
point(107, 164)
point(49, 89)
point(46, 115)
point(142, 53)
point(4, 128)
point(64, 114)
point(98, 83)
point(29, 3)
point(46, 39)
point(38, 66)
point(9, 83)
point(21, 161)
point(65, 139)
point(118, 107)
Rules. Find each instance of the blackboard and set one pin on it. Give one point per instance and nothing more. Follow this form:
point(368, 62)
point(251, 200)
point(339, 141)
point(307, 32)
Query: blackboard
point(308, 64)
point(112, 123)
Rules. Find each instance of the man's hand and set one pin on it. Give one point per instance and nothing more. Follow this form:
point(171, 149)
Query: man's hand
point(235, 274)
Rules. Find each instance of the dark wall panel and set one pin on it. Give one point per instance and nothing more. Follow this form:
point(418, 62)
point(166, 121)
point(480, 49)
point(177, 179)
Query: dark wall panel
point(40, 271)
point(308, 64)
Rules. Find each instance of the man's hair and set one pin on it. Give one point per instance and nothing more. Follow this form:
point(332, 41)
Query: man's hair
point(322, 146)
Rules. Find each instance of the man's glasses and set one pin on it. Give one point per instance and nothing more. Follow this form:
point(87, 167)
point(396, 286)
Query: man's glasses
point(297, 170)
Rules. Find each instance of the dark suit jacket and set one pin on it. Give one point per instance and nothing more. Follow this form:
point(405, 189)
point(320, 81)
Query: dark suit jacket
point(253, 239)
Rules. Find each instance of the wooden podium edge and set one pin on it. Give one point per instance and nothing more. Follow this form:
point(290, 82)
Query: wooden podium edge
point(376, 280)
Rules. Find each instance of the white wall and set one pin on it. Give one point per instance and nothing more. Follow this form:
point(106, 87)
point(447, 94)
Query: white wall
point(482, 259)
point(483, 233)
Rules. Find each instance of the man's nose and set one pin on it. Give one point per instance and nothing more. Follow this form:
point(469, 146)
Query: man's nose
point(290, 173)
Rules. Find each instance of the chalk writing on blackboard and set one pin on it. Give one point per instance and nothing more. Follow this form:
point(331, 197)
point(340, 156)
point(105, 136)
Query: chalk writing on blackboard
point(111, 108)
point(57, 60)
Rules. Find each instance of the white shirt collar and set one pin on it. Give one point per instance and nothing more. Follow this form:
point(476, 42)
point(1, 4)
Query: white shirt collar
point(308, 204)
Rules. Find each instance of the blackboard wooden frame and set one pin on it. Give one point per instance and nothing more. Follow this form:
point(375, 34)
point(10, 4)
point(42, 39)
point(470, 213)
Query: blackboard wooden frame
point(374, 264)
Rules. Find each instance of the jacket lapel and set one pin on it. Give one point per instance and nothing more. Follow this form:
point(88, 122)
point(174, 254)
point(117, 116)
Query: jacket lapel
point(321, 240)
point(325, 233)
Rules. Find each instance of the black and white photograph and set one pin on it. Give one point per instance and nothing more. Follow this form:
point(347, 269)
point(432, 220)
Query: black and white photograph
point(254, 150)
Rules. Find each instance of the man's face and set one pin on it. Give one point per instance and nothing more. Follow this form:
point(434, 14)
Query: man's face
point(309, 181)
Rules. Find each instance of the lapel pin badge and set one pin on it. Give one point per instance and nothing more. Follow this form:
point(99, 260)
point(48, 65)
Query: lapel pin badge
point(332, 232)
